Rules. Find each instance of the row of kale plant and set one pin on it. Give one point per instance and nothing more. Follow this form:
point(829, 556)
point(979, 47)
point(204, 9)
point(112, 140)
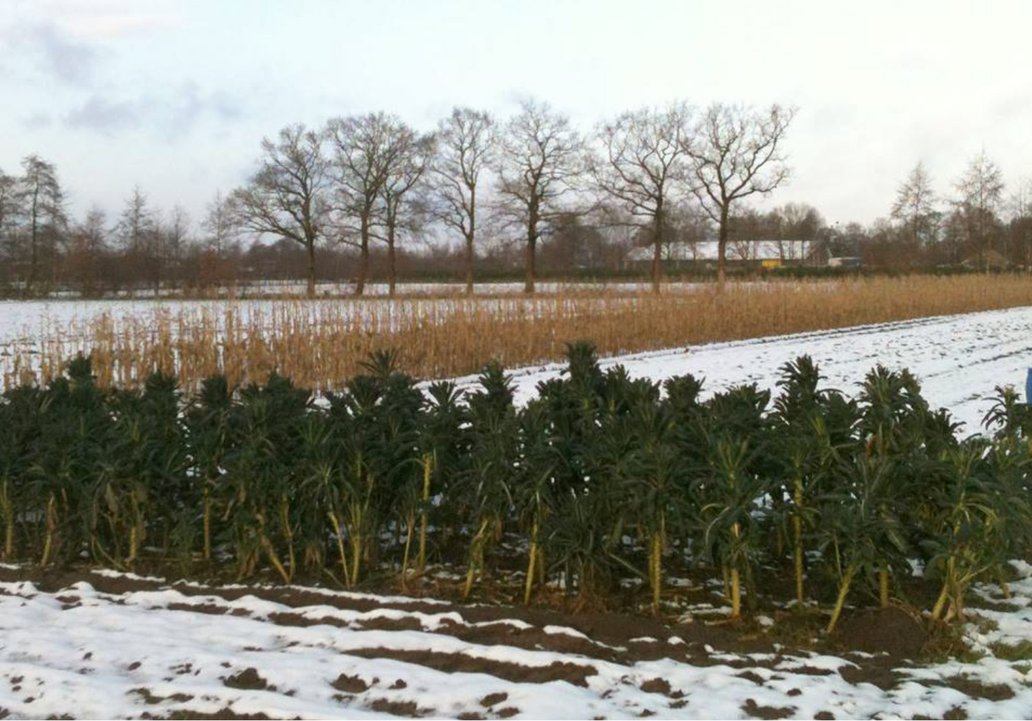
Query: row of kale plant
point(601, 476)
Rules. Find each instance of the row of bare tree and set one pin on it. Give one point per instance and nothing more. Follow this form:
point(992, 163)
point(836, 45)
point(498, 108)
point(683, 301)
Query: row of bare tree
point(968, 225)
point(371, 178)
point(356, 188)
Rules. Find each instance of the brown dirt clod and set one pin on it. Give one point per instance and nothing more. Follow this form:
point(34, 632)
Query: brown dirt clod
point(766, 712)
point(397, 708)
point(248, 679)
point(883, 630)
point(493, 698)
point(350, 684)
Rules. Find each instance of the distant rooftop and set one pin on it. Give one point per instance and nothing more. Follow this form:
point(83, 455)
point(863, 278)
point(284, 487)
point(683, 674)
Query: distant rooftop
point(706, 250)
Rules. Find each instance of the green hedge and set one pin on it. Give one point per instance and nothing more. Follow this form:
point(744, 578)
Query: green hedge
point(599, 477)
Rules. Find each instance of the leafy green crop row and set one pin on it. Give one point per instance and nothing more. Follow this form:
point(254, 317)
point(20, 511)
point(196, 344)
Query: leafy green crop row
point(601, 476)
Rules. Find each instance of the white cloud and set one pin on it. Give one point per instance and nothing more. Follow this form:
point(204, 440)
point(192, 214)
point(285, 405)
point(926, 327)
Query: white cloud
point(98, 19)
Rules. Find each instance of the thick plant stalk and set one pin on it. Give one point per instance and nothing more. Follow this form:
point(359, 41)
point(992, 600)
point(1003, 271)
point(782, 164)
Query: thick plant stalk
point(8, 513)
point(48, 544)
point(207, 524)
point(270, 551)
point(288, 532)
point(428, 469)
point(736, 593)
point(274, 558)
point(476, 556)
point(346, 574)
point(531, 565)
point(134, 543)
point(797, 541)
point(840, 602)
point(883, 587)
point(944, 595)
point(656, 563)
point(736, 581)
point(135, 533)
point(410, 524)
point(357, 538)
point(356, 555)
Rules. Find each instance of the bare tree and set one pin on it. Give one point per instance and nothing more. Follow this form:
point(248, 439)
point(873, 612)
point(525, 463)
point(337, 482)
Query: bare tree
point(915, 206)
point(85, 252)
point(218, 224)
point(1020, 210)
point(138, 234)
point(408, 164)
point(136, 223)
point(364, 148)
point(174, 241)
point(285, 195)
point(10, 213)
point(642, 158)
point(735, 152)
point(980, 190)
point(540, 155)
point(465, 147)
point(45, 218)
point(219, 229)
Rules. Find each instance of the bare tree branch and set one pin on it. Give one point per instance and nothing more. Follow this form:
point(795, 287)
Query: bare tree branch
point(540, 157)
point(285, 196)
point(735, 152)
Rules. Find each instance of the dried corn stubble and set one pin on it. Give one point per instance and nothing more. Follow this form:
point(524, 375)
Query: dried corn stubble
point(319, 343)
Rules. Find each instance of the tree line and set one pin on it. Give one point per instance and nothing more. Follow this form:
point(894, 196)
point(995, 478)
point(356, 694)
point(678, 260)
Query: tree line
point(373, 179)
point(371, 194)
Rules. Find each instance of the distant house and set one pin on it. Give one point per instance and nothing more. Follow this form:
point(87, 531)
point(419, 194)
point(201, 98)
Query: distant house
point(748, 253)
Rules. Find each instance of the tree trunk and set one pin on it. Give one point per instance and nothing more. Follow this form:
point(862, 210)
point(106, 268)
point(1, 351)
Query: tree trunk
point(528, 283)
point(469, 264)
point(657, 247)
point(363, 264)
point(532, 235)
point(470, 236)
point(34, 259)
point(722, 251)
point(310, 250)
point(392, 272)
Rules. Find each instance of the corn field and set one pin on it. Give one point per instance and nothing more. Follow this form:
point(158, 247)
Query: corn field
point(318, 344)
point(599, 478)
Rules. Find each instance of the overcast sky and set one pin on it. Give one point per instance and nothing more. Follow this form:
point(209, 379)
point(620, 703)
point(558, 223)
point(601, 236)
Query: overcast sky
point(175, 95)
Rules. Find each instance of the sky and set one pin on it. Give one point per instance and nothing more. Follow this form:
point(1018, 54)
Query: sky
point(174, 96)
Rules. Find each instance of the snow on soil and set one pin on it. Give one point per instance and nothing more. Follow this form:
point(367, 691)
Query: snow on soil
point(91, 654)
point(959, 359)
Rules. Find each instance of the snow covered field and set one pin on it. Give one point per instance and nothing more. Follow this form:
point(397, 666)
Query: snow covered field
point(114, 645)
point(959, 359)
